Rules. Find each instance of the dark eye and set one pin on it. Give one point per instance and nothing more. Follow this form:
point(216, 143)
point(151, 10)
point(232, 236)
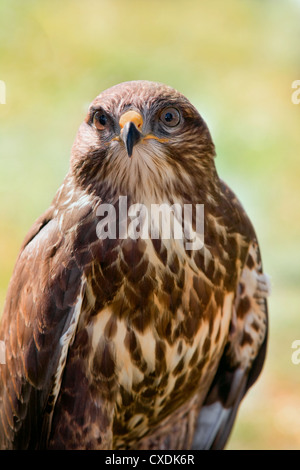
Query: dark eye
point(170, 117)
point(100, 120)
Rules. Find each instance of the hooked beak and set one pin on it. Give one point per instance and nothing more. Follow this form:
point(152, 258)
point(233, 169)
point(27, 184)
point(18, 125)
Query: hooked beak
point(130, 136)
point(130, 124)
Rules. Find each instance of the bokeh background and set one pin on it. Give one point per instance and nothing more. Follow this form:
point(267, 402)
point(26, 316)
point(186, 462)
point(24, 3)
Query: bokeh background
point(236, 61)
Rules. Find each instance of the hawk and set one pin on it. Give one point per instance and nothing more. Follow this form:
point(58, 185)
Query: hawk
point(132, 342)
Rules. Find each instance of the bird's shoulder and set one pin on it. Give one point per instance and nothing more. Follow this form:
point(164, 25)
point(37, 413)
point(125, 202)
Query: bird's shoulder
point(42, 304)
point(234, 213)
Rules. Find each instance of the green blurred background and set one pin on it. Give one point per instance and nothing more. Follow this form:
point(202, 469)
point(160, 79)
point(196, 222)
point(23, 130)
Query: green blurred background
point(236, 61)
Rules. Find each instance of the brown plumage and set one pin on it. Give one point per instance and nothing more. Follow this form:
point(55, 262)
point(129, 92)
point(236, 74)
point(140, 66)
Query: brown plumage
point(133, 343)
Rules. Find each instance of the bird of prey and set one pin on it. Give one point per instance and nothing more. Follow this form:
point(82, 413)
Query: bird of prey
point(132, 342)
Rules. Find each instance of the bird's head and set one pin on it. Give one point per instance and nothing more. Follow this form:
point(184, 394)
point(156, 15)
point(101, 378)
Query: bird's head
point(141, 138)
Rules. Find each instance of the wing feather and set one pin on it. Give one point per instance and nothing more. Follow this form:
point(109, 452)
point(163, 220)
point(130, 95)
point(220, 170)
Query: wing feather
point(39, 310)
point(245, 351)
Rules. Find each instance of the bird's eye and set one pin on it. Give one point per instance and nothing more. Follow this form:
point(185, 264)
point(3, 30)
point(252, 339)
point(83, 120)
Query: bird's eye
point(170, 117)
point(100, 120)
